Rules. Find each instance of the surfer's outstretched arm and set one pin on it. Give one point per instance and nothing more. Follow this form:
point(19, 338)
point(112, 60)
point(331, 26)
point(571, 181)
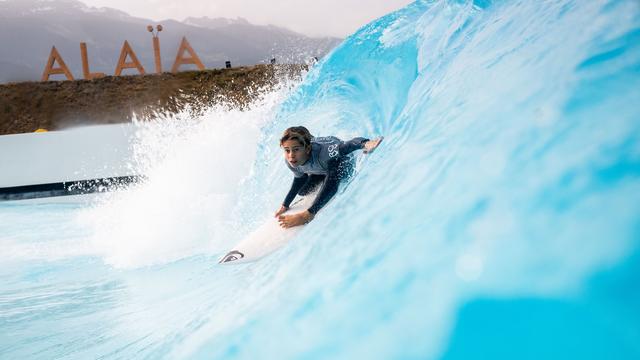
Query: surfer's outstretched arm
point(352, 145)
point(360, 143)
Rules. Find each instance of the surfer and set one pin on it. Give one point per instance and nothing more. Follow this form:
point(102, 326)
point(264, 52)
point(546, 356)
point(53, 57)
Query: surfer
point(315, 160)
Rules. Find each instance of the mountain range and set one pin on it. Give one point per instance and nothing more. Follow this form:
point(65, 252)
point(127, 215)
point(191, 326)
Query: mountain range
point(29, 28)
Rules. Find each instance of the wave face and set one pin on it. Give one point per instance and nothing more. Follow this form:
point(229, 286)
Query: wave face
point(500, 217)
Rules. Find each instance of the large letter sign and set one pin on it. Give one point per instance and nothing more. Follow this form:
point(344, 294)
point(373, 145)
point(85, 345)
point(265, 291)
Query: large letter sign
point(134, 64)
point(180, 60)
point(50, 70)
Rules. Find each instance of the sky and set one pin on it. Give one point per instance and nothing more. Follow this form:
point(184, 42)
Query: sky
point(314, 18)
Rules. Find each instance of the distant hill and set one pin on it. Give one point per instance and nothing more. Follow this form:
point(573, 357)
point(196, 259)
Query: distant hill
point(28, 29)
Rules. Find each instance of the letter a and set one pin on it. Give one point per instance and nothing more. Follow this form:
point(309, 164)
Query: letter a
point(180, 60)
point(50, 70)
point(134, 64)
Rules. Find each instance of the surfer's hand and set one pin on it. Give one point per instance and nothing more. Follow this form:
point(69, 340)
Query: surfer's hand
point(287, 221)
point(371, 145)
point(281, 210)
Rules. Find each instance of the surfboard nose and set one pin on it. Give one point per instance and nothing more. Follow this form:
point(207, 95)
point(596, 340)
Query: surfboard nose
point(231, 256)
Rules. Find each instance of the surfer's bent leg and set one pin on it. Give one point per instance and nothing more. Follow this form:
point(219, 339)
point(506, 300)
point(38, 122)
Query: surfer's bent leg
point(312, 182)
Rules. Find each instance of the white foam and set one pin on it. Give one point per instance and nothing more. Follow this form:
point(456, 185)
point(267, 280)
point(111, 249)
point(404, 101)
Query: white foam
point(194, 167)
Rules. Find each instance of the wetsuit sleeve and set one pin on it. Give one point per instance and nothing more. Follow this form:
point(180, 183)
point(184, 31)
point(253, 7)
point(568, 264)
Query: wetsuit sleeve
point(329, 187)
point(297, 183)
point(352, 145)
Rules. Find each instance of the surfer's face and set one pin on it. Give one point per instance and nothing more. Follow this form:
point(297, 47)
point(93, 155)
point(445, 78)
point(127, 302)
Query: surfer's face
point(295, 152)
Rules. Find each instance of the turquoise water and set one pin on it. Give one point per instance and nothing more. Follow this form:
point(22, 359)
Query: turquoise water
point(499, 219)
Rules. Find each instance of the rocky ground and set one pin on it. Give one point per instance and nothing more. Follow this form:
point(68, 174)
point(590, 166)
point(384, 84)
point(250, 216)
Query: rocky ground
point(55, 105)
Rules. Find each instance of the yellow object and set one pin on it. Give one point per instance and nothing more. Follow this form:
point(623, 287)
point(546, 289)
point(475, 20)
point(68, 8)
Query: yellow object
point(41, 130)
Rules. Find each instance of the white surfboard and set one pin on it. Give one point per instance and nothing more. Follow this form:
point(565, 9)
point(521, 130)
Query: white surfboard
point(267, 238)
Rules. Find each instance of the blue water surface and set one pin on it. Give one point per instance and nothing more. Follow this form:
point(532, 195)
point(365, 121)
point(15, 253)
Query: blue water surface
point(500, 218)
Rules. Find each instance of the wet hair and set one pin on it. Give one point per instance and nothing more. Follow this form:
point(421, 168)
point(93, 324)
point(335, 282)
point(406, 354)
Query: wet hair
point(298, 133)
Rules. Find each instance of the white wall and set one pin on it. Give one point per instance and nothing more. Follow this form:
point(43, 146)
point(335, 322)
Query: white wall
point(83, 153)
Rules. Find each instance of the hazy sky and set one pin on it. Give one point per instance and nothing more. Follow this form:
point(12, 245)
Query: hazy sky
point(316, 17)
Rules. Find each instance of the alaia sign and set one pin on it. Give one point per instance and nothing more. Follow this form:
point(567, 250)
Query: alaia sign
point(128, 60)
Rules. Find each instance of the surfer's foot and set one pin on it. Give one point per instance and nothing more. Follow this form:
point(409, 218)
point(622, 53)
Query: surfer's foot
point(371, 145)
point(287, 221)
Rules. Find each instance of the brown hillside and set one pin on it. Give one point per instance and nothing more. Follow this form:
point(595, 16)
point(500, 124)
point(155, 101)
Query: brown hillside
point(54, 105)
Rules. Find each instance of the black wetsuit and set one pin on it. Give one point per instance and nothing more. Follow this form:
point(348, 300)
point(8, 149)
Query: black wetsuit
point(330, 160)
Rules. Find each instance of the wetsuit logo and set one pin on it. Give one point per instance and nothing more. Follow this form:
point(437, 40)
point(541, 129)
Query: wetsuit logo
point(232, 256)
point(333, 150)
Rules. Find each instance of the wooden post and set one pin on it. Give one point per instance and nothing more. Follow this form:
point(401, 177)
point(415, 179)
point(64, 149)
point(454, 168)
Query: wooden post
point(156, 54)
point(180, 60)
point(50, 70)
point(134, 64)
point(88, 75)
